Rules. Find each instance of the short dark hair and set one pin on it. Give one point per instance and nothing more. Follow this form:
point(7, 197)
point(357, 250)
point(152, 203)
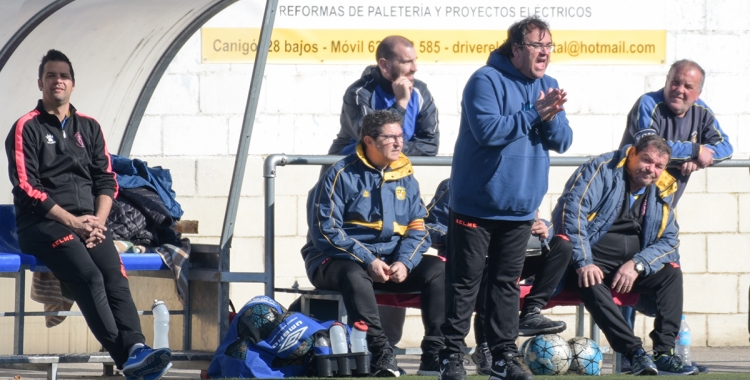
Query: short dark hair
point(387, 47)
point(687, 63)
point(373, 122)
point(518, 31)
point(655, 141)
point(57, 56)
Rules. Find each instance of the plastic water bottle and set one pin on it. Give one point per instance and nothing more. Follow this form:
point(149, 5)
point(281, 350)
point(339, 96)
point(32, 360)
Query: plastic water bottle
point(337, 332)
point(161, 324)
point(683, 341)
point(359, 337)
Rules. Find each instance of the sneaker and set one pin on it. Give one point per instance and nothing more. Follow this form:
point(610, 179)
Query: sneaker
point(429, 367)
point(672, 364)
point(482, 357)
point(701, 368)
point(146, 361)
point(511, 367)
point(643, 364)
point(452, 367)
point(625, 366)
point(385, 365)
point(158, 375)
point(534, 323)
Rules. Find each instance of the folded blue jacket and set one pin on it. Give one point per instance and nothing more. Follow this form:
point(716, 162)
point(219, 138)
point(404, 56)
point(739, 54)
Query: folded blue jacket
point(135, 173)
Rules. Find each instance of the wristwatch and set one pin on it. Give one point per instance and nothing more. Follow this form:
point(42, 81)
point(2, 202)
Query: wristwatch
point(639, 267)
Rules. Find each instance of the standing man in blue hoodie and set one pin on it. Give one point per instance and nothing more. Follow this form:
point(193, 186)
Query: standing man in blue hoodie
point(512, 116)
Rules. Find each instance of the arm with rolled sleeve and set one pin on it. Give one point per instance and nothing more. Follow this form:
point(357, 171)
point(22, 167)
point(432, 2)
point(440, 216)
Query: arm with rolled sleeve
point(325, 221)
point(416, 240)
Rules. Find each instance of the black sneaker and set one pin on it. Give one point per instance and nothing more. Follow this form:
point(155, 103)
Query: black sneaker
point(534, 323)
point(385, 365)
point(452, 368)
point(482, 357)
point(672, 364)
point(511, 367)
point(643, 364)
point(429, 366)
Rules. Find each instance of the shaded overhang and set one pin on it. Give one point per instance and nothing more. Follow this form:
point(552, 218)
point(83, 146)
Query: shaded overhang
point(119, 50)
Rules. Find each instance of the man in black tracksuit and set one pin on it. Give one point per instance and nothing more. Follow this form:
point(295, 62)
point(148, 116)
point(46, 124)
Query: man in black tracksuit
point(63, 188)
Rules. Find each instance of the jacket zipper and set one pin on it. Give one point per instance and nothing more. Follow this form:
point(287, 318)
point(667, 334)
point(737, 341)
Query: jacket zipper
point(72, 179)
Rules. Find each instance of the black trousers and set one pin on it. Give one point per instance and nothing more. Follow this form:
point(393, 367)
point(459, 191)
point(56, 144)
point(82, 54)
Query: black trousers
point(665, 285)
point(358, 291)
point(503, 244)
point(95, 278)
point(547, 269)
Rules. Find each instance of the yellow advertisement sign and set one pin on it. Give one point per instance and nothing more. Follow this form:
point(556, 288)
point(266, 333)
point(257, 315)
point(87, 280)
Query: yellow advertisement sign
point(238, 45)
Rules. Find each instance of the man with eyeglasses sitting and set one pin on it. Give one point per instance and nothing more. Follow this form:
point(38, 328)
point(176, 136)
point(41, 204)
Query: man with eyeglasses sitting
point(365, 220)
point(512, 116)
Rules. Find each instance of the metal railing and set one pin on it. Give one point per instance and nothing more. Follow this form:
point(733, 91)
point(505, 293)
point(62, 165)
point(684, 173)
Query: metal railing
point(275, 160)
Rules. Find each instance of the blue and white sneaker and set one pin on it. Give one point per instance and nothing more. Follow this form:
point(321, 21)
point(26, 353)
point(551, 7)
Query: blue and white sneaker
point(158, 375)
point(146, 362)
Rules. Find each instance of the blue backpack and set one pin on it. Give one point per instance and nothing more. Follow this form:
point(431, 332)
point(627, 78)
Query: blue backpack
point(266, 341)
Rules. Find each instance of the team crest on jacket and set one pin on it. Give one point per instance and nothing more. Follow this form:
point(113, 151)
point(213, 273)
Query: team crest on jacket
point(366, 194)
point(79, 139)
point(50, 138)
point(400, 193)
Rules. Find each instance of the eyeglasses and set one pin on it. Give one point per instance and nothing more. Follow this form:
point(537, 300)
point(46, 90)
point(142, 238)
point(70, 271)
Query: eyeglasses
point(392, 138)
point(537, 46)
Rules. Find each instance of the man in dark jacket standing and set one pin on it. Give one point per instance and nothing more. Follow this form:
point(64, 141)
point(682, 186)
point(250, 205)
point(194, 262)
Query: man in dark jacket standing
point(512, 116)
point(390, 85)
point(63, 188)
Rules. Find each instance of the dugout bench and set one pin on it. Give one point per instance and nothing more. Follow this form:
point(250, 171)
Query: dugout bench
point(199, 313)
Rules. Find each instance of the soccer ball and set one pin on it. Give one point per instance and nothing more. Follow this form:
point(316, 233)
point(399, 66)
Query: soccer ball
point(587, 357)
point(548, 354)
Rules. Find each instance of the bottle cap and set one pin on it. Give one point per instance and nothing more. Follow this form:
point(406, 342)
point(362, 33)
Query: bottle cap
point(360, 325)
point(156, 303)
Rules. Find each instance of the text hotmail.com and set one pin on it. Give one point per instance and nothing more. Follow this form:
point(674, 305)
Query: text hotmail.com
point(576, 48)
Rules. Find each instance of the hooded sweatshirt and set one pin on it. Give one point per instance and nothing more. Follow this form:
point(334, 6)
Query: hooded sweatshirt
point(501, 159)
